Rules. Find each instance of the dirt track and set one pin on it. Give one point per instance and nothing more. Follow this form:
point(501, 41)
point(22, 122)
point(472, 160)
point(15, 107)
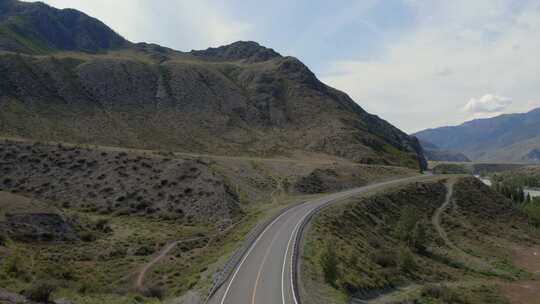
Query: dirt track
point(163, 253)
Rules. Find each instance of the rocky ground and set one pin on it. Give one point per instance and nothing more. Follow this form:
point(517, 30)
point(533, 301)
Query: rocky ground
point(117, 182)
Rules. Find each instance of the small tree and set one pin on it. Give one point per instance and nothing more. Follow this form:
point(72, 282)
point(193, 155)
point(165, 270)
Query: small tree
point(420, 238)
point(406, 260)
point(405, 225)
point(329, 263)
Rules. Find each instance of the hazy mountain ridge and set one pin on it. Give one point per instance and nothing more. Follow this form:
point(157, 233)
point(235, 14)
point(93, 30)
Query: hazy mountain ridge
point(434, 153)
point(509, 137)
point(237, 99)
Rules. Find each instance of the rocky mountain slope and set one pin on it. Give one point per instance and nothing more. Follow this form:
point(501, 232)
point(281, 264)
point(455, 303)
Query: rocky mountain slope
point(67, 77)
point(510, 137)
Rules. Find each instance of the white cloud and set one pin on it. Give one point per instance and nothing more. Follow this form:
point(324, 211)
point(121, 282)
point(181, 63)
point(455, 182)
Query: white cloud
point(183, 25)
point(479, 46)
point(206, 23)
point(487, 105)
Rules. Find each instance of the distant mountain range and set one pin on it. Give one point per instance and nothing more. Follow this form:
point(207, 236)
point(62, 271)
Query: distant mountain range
point(505, 138)
point(68, 77)
point(434, 153)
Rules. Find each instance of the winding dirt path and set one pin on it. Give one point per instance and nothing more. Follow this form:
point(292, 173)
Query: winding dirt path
point(162, 253)
point(436, 220)
point(469, 260)
point(139, 284)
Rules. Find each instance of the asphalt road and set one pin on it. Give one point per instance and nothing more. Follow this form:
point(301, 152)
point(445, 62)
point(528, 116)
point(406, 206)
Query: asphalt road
point(264, 275)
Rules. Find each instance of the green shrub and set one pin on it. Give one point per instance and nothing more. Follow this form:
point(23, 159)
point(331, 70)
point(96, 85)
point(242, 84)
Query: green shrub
point(444, 294)
point(39, 292)
point(103, 225)
point(329, 263)
point(406, 260)
point(154, 292)
point(411, 230)
point(87, 236)
point(385, 258)
point(3, 239)
point(405, 225)
point(60, 271)
point(13, 265)
point(375, 242)
point(420, 238)
point(532, 211)
point(90, 285)
point(511, 189)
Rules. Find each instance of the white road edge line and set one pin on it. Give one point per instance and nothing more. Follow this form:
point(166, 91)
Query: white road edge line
point(249, 252)
point(292, 262)
point(294, 232)
point(346, 195)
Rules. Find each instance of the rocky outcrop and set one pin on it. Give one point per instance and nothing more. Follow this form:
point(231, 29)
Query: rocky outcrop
point(247, 51)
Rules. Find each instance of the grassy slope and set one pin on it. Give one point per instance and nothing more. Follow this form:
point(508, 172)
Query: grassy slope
point(372, 259)
point(11, 30)
point(105, 269)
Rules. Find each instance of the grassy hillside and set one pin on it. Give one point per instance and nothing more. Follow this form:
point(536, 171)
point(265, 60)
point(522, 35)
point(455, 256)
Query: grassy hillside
point(407, 245)
point(87, 219)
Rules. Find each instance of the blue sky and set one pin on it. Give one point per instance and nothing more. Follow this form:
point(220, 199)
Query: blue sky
point(416, 63)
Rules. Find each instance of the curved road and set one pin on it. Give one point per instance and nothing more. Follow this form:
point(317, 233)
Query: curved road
point(264, 275)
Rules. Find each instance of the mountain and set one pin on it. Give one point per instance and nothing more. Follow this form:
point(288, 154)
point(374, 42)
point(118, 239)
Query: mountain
point(434, 153)
point(68, 77)
point(508, 137)
point(36, 28)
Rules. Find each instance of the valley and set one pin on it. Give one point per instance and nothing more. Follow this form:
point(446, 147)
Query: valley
point(135, 173)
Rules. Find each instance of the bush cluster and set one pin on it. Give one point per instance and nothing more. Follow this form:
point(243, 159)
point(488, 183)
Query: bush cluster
point(443, 293)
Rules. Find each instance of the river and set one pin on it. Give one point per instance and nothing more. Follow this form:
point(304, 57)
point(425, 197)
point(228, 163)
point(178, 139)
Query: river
point(484, 180)
point(530, 191)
